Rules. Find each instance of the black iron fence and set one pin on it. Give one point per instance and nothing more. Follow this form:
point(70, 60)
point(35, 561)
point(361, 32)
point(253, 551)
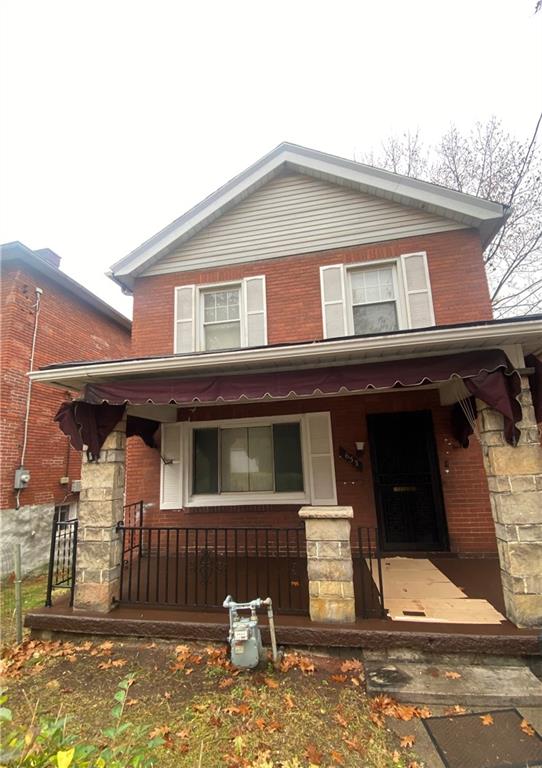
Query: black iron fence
point(62, 557)
point(368, 583)
point(197, 567)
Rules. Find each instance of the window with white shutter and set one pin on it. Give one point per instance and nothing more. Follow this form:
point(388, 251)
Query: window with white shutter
point(285, 459)
point(221, 316)
point(323, 486)
point(333, 301)
point(170, 472)
point(419, 304)
point(184, 319)
point(376, 297)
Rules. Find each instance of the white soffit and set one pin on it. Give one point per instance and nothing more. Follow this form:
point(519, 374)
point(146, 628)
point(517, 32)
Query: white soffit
point(465, 209)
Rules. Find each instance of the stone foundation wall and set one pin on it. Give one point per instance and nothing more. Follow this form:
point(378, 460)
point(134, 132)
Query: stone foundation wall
point(31, 527)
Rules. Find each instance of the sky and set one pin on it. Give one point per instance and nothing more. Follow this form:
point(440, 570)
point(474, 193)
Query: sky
point(119, 115)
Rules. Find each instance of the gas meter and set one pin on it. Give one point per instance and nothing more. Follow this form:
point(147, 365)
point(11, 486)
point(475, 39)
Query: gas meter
point(245, 638)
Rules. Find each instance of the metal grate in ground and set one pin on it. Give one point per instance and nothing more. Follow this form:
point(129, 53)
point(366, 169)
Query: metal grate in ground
point(463, 741)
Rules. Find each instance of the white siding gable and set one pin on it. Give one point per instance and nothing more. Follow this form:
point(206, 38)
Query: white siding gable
point(298, 214)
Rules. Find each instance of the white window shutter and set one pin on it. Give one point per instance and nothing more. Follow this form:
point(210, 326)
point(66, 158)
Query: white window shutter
point(419, 303)
point(322, 467)
point(185, 325)
point(333, 301)
point(255, 311)
point(170, 475)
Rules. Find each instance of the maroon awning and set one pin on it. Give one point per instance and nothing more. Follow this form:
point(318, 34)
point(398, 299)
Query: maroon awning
point(487, 374)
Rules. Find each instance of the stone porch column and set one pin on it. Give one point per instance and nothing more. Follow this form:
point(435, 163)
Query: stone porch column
point(515, 488)
point(101, 504)
point(329, 563)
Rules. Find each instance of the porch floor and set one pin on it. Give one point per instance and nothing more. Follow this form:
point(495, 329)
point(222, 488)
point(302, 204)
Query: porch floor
point(478, 578)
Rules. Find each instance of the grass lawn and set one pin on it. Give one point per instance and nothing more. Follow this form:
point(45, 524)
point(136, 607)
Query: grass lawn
point(33, 590)
point(313, 711)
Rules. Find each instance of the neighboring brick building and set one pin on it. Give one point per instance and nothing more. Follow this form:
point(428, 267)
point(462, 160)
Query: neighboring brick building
point(69, 322)
point(316, 333)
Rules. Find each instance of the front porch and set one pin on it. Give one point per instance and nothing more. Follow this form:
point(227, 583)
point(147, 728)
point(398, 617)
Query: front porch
point(341, 491)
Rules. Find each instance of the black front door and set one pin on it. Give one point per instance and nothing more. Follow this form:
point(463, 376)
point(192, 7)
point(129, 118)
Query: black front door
point(407, 481)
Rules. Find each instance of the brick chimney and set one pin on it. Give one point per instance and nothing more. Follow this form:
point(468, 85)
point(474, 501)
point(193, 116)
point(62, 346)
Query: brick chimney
point(49, 256)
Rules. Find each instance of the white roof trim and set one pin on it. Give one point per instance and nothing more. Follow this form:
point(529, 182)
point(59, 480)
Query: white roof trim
point(434, 341)
point(472, 211)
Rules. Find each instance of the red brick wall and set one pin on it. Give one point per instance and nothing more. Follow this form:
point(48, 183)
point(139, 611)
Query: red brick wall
point(69, 329)
point(458, 280)
point(466, 499)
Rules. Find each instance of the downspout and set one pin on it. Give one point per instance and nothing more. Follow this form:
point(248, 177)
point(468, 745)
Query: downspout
point(36, 306)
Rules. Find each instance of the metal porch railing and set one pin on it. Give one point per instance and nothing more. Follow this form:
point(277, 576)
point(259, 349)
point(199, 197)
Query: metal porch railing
point(368, 582)
point(197, 567)
point(62, 559)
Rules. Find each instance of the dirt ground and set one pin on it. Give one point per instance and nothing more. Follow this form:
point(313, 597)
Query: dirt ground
point(313, 711)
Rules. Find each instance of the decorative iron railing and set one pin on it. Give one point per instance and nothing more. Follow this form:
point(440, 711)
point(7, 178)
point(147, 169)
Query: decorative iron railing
point(368, 582)
point(62, 558)
point(197, 567)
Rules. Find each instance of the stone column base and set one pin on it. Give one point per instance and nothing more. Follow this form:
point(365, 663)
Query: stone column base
point(329, 564)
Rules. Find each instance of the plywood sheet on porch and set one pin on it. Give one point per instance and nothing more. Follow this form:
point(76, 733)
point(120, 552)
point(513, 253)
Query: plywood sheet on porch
point(416, 590)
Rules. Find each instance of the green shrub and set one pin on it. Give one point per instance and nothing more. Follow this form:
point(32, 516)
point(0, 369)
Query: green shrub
point(47, 742)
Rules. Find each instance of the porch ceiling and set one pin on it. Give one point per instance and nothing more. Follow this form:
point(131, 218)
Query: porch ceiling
point(525, 332)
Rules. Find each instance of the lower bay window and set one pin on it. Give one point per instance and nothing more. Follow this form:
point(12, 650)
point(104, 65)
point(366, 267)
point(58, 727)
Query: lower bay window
point(278, 460)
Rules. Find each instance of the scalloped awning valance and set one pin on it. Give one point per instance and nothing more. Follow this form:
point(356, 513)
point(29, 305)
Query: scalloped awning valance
point(487, 375)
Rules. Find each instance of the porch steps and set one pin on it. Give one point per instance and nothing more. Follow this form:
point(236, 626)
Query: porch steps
point(435, 679)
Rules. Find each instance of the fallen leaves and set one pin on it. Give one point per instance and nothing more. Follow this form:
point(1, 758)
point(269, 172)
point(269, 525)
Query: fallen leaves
point(351, 665)
point(112, 664)
point(455, 710)
point(339, 678)
point(386, 706)
point(407, 742)
point(486, 720)
point(271, 682)
point(295, 661)
point(313, 755)
point(527, 728)
point(452, 675)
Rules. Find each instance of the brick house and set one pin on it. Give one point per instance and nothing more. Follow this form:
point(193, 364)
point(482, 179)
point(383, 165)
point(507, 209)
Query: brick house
point(38, 300)
point(331, 413)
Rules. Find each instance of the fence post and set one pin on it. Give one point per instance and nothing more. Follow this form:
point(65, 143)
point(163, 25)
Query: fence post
point(18, 595)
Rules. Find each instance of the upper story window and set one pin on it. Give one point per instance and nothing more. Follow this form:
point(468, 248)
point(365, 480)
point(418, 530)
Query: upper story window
point(374, 300)
point(223, 316)
point(377, 297)
point(221, 319)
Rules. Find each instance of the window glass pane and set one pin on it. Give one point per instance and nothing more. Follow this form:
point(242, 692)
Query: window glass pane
point(287, 454)
point(260, 462)
point(372, 285)
point(223, 335)
point(234, 459)
point(205, 479)
point(375, 318)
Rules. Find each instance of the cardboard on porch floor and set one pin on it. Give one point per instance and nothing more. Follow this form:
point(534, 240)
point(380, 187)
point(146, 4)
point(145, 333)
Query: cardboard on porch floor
point(416, 589)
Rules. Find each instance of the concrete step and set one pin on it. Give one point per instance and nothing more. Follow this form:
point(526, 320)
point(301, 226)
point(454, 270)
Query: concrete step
point(478, 685)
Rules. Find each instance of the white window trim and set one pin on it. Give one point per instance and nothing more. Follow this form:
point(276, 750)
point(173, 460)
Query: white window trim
point(247, 498)
point(399, 286)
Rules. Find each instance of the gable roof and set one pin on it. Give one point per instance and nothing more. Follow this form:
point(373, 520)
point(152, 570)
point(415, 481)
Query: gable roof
point(468, 210)
point(46, 262)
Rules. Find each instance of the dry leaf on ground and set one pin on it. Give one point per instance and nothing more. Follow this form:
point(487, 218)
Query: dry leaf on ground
point(486, 719)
